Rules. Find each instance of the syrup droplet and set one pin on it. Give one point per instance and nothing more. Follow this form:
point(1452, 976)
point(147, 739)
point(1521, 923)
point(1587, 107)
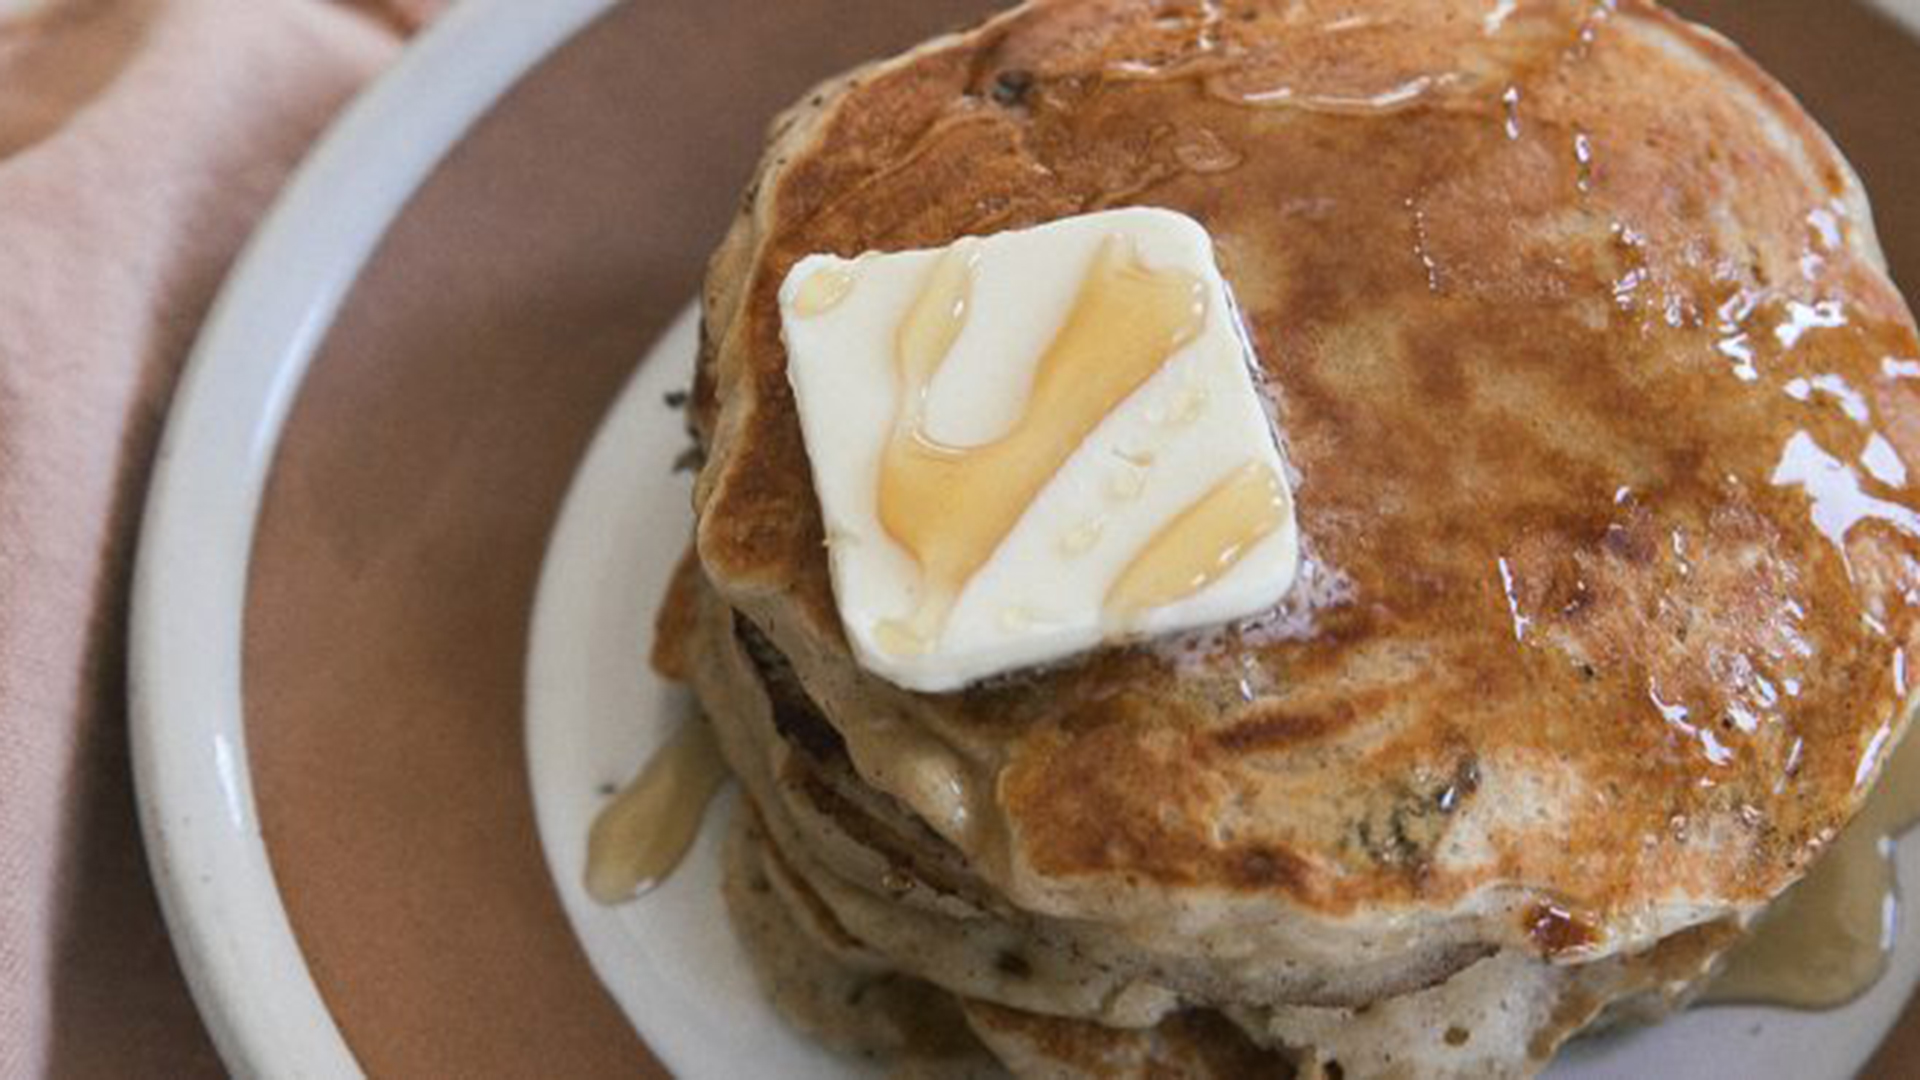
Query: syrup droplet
point(1126, 484)
point(1388, 101)
point(901, 638)
point(1188, 405)
point(1497, 18)
point(1081, 538)
point(1203, 152)
point(822, 291)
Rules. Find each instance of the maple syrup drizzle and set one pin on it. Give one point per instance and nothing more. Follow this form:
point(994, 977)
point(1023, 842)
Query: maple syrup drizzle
point(1201, 543)
point(641, 836)
point(950, 507)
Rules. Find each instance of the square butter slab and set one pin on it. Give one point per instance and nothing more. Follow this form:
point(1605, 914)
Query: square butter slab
point(1029, 444)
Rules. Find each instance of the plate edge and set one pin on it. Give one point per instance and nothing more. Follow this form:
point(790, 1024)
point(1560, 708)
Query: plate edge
point(230, 930)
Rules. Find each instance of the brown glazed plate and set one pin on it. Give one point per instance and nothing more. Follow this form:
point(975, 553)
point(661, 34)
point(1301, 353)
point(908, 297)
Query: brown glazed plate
point(357, 624)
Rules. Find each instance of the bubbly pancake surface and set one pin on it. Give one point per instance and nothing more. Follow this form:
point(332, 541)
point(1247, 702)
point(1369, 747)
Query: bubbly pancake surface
point(1600, 402)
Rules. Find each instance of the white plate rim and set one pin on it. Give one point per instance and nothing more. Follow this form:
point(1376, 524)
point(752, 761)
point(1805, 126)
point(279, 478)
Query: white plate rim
point(594, 709)
point(191, 777)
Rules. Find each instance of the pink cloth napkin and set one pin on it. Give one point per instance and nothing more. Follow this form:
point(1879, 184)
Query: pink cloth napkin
point(139, 142)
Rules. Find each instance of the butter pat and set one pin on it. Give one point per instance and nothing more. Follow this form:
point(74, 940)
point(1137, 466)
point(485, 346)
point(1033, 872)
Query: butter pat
point(1030, 444)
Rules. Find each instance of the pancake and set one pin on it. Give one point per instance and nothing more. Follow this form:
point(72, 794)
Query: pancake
point(891, 882)
point(821, 983)
point(925, 1035)
point(1599, 630)
point(848, 945)
point(1600, 400)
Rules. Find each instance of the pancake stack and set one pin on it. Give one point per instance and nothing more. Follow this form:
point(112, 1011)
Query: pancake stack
point(1579, 338)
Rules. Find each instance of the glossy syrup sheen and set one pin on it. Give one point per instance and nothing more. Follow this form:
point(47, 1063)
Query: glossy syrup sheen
point(1202, 542)
point(823, 290)
point(1829, 938)
point(1603, 417)
point(951, 506)
point(642, 834)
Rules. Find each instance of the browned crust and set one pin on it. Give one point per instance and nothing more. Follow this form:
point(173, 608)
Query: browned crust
point(673, 623)
point(1194, 1045)
point(1506, 370)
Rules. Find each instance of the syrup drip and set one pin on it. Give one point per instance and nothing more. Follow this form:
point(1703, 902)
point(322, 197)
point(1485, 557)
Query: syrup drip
point(641, 835)
point(1200, 545)
point(1826, 941)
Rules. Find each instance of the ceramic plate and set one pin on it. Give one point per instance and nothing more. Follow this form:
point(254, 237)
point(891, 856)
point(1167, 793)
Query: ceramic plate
point(594, 714)
point(339, 675)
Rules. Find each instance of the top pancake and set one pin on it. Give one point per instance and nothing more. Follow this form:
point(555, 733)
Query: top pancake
point(1598, 395)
